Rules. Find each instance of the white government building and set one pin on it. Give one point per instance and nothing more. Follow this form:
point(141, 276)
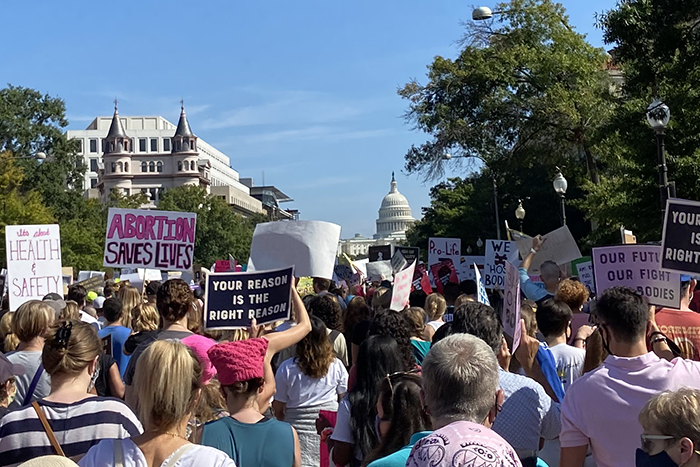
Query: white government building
point(394, 219)
point(148, 154)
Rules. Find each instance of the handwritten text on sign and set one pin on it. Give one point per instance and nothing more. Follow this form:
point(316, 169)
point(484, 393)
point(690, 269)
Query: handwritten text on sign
point(498, 253)
point(233, 299)
point(638, 267)
point(33, 262)
point(150, 239)
point(440, 248)
point(402, 288)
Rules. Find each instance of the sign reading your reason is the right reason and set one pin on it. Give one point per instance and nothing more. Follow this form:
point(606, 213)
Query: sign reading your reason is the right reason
point(681, 237)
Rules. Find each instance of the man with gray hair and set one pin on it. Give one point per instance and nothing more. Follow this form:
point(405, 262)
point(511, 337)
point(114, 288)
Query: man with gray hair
point(549, 273)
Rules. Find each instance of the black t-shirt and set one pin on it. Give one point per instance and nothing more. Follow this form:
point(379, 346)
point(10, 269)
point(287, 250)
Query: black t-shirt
point(159, 336)
point(102, 382)
point(137, 339)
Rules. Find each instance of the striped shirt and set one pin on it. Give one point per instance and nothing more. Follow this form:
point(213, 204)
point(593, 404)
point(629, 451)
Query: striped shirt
point(78, 426)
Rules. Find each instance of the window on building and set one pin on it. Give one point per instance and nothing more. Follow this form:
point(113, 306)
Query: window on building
point(126, 166)
point(114, 167)
point(154, 144)
point(153, 194)
point(144, 191)
point(179, 166)
point(126, 191)
point(159, 166)
point(166, 144)
point(142, 144)
point(80, 145)
point(151, 166)
point(93, 165)
point(93, 182)
point(93, 145)
point(144, 166)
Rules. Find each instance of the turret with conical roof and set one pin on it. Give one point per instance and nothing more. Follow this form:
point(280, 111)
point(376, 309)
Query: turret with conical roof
point(116, 141)
point(117, 152)
point(184, 150)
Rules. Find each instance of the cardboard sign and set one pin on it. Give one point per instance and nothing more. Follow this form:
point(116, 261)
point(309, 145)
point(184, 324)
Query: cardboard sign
point(379, 253)
point(681, 237)
point(482, 296)
point(498, 253)
point(402, 288)
point(233, 299)
point(443, 272)
point(379, 271)
point(311, 246)
point(92, 284)
point(421, 281)
point(33, 262)
point(560, 247)
point(442, 248)
point(410, 253)
point(638, 267)
point(398, 262)
point(150, 239)
point(343, 271)
point(585, 274)
point(511, 305)
point(465, 267)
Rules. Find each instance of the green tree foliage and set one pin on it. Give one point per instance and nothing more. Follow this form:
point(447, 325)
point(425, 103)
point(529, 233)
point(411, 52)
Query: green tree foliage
point(220, 231)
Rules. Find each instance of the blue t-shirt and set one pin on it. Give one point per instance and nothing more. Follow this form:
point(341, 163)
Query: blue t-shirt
point(400, 457)
point(268, 443)
point(119, 336)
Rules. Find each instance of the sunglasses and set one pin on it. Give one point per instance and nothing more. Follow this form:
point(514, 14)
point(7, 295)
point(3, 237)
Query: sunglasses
point(647, 439)
point(390, 377)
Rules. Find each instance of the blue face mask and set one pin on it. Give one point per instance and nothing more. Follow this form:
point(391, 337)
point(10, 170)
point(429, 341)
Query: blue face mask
point(661, 459)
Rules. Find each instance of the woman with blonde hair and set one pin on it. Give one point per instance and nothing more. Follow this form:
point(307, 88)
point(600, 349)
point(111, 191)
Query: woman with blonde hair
point(70, 311)
point(312, 381)
point(416, 320)
point(29, 324)
point(131, 298)
point(9, 338)
point(70, 414)
point(435, 307)
point(144, 324)
point(166, 401)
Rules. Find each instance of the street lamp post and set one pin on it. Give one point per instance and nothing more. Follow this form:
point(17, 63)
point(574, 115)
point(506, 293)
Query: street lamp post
point(479, 244)
point(560, 186)
point(520, 213)
point(658, 116)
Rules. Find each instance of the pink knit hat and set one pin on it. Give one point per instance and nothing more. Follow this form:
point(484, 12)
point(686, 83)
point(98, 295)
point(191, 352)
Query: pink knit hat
point(200, 345)
point(239, 361)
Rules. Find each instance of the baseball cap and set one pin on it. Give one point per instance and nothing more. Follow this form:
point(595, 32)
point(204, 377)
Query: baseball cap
point(9, 369)
point(55, 301)
point(152, 288)
point(98, 302)
point(92, 295)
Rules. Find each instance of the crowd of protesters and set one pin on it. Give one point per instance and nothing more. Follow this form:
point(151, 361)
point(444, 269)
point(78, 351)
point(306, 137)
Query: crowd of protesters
point(119, 377)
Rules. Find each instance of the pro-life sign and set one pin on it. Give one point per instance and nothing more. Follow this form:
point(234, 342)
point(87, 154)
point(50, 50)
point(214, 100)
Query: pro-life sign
point(33, 262)
point(233, 299)
point(681, 237)
point(638, 267)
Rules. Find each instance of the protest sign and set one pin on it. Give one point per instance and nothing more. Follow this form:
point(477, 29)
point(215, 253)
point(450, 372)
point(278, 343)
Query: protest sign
point(398, 262)
point(233, 299)
point(410, 253)
point(33, 262)
point(441, 248)
point(443, 272)
point(465, 267)
point(584, 271)
point(83, 275)
point(224, 265)
point(511, 304)
point(498, 253)
point(421, 281)
point(310, 246)
point(638, 267)
point(559, 247)
point(92, 284)
point(681, 237)
point(402, 288)
point(343, 272)
point(482, 295)
point(150, 239)
point(361, 266)
point(379, 270)
point(379, 253)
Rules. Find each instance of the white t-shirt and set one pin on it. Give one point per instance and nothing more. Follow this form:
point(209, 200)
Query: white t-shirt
point(296, 389)
point(569, 361)
point(102, 455)
point(342, 431)
point(436, 324)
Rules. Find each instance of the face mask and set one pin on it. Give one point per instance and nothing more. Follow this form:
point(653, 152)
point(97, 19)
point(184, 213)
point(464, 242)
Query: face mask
point(661, 459)
point(605, 343)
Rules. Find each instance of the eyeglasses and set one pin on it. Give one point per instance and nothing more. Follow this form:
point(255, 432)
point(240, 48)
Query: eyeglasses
point(398, 373)
point(646, 440)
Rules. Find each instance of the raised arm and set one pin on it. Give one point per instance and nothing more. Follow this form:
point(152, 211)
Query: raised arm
point(278, 341)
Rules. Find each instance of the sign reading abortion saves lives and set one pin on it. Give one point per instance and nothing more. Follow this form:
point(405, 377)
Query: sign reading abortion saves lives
point(232, 300)
point(638, 267)
point(150, 239)
point(33, 262)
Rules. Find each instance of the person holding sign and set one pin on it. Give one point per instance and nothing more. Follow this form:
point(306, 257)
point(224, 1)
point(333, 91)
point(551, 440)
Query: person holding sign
point(682, 325)
point(549, 272)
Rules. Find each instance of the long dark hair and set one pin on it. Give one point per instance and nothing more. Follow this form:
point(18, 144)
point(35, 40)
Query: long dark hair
point(394, 324)
point(399, 397)
point(379, 356)
point(315, 352)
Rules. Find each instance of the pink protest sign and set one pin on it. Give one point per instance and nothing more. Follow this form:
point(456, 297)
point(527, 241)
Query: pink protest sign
point(402, 288)
point(150, 239)
point(511, 304)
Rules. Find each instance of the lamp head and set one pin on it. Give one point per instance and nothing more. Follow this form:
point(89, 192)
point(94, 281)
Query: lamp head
point(560, 184)
point(520, 211)
point(40, 156)
point(482, 13)
point(658, 115)
point(479, 242)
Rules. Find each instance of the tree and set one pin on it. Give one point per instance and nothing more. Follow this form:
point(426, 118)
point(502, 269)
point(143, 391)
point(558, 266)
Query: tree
point(531, 88)
point(220, 231)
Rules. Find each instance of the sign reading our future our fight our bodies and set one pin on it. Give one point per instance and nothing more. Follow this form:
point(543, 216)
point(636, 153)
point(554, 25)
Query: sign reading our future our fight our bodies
point(150, 239)
point(233, 299)
point(33, 262)
point(638, 267)
point(681, 237)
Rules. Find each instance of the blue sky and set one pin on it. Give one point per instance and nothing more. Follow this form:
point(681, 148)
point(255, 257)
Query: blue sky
point(302, 90)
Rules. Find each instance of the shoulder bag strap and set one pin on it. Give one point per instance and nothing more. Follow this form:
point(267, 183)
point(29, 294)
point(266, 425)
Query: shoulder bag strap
point(178, 454)
point(33, 385)
point(47, 428)
point(118, 449)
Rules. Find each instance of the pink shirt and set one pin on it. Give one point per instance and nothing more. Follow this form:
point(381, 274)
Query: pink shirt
point(603, 406)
